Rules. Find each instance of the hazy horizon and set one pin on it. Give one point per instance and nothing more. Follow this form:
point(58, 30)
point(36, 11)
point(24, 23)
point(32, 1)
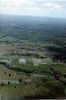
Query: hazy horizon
point(33, 16)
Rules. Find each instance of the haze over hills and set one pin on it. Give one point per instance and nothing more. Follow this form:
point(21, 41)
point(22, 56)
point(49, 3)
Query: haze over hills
point(46, 30)
point(32, 28)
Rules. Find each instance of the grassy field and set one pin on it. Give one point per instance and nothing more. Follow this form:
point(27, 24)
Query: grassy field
point(41, 81)
point(39, 84)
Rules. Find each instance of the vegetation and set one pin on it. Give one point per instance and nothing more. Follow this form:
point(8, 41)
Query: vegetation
point(32, 58)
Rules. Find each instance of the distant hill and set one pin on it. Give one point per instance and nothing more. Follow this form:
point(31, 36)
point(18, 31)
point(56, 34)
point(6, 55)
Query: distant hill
point(33, 29)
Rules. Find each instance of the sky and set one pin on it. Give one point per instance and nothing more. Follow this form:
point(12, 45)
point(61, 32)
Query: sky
point(54, 8)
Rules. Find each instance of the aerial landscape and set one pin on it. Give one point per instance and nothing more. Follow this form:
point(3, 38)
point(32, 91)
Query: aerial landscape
point(32, 52)
point(31, 60)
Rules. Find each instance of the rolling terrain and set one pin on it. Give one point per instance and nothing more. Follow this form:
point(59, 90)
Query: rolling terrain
point(32, 57)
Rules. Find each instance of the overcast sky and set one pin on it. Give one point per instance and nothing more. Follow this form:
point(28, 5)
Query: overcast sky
point(55, 8)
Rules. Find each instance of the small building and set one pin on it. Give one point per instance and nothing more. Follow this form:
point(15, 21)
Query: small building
point(47, 60)
point(36, 61)
point(22, 61)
